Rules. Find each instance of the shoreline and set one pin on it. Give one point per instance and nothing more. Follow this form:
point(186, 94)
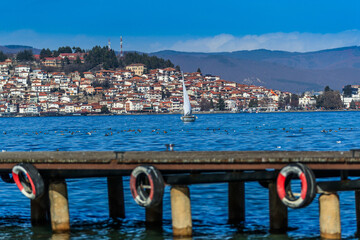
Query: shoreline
point(177, 113)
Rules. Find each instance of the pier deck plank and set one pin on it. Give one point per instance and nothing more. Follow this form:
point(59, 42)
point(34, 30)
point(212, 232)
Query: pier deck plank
point(243, 160)
point(181, 161)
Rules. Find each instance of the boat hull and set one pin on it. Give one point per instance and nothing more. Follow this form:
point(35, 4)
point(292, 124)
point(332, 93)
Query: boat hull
point(190, 118)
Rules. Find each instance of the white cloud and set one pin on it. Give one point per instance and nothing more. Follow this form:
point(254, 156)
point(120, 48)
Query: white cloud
point(294, 42)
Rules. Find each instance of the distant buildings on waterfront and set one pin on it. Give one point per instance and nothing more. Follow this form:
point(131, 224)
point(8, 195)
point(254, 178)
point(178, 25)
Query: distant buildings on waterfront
point(135, 89)
point(351, 96)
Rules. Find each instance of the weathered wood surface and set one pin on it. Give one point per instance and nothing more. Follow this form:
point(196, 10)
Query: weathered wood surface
point(57, 157)
point(184, 161)
point(239, 157)
point(182, 157)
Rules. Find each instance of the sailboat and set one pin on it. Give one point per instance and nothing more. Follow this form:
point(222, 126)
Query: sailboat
point(187, 117)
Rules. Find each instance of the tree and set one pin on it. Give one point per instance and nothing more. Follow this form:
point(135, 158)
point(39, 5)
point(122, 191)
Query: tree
point(294, 101)
point(102, 55)
point(205, 105)
point(281, 103)
point(198, 70)
point(211, 104)
point(55, 53)
point(264, 102)
point(3, 57)
point(62, 63)
point(352, 104)
point(104, 109)
point(57, 90)
point(169, 63)
point(104, 84)
point(66, 60)
point(253, 103)
point(66, 49)
point(177, 68)
point(329, 100)
point(77, 50)
point(95, 55)
point(347, 90)
point(287, 100)
point(77, 60)
point(327, 89)
point(110, 60)
point(165, 94)
point(221, 104)
point(45, 53)
point(26, 55)
point(151, 62)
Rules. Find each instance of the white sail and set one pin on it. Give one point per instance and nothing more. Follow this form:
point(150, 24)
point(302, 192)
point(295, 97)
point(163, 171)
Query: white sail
point(187, 105)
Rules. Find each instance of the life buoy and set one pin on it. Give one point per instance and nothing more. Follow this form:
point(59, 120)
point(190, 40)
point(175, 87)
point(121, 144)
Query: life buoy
point(147, 186)
point(308, 185)
point(6, 177)
point(28, 180)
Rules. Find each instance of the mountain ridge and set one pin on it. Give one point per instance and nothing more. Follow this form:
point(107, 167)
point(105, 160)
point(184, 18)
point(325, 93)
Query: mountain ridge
point(287, 71)
point(13, 49)
point(276, 69)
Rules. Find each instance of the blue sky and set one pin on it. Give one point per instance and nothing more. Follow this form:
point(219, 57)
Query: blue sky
point(208, 26)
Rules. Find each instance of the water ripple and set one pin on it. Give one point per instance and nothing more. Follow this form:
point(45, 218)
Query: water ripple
point(318, 131)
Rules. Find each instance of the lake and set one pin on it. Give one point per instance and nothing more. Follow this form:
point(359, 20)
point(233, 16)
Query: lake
point(312, 131)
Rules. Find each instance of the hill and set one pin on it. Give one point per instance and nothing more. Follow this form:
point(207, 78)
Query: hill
point(13, 49)
point(287, 71)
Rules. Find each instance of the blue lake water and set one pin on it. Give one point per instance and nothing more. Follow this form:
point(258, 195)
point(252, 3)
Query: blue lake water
point(89, 213)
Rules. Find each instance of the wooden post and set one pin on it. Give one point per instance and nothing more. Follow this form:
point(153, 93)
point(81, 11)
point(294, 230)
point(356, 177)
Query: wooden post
point(236, 198)
point(181, 211)
point(154, 214)
point(357, 210)
point(59, 207)
point(329, 207)
point(40, 208)
point(116, 197)
point(60, 236)
point(278, 211)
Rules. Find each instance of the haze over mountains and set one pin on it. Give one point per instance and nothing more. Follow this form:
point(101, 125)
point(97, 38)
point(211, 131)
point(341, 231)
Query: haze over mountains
point(287, 71)
point(12, 49)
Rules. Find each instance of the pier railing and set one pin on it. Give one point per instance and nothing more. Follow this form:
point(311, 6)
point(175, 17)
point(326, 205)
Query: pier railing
point(183, 161)
point(41, 176)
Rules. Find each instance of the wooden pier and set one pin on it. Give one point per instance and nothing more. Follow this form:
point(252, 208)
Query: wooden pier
point(179, 169)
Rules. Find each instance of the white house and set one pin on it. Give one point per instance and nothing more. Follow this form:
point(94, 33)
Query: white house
point(133, 105)
point(307, 101)
point(22, 68)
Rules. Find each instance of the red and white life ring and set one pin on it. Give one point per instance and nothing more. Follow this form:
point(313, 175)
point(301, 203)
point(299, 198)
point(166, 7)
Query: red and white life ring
point(28, 180)
point(308, 185)
point(147, 186)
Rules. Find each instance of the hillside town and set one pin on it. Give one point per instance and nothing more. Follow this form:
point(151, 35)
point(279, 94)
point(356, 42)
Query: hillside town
point(28, 90)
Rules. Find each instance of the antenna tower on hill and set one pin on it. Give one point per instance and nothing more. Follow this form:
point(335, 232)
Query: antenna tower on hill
point(121, 47)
